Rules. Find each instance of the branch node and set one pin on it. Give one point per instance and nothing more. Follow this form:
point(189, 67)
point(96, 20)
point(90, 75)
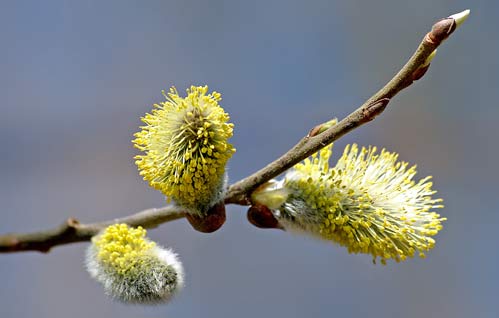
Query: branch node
point(72, 222)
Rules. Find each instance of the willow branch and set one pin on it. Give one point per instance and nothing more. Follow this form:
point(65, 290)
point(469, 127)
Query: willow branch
point(413, 70)
point(239, 193)
point(72, 231)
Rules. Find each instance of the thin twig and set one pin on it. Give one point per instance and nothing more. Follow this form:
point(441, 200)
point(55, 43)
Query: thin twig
point(413, 70)
point(239, 193)
point(72, 231)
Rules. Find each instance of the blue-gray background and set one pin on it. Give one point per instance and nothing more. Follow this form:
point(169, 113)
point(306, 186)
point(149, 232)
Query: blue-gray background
point(75, 76)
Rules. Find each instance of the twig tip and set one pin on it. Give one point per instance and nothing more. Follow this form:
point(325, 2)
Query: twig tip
point(460, 17)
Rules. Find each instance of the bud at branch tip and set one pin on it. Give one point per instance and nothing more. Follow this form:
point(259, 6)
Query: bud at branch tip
point(460, 17)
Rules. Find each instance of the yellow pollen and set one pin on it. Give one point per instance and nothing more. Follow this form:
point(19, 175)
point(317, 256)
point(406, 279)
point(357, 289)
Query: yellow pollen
point(185, 147)
point(121, 247)
point(368, 203)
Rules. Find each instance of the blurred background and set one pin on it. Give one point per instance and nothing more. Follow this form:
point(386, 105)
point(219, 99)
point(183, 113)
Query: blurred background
point(77, 75)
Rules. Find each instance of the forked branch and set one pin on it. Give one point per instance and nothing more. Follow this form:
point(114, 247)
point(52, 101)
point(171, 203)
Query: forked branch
point(240, 192)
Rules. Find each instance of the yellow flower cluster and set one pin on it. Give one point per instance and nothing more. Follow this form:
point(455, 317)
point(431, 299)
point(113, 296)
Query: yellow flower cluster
point(186, 148)
point(368, 203)
point(122, 247)
point(131, 268)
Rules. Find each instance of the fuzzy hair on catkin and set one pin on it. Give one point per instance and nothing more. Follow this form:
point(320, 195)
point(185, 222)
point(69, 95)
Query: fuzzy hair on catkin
point(150, 275)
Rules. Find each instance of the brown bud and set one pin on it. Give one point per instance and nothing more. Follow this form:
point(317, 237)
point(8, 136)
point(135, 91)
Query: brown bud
point(441, 30)
point(420, 72)
point(212, 221)
point(374, 109)
point(261, 216)
point(319, 129)
point(315, 131)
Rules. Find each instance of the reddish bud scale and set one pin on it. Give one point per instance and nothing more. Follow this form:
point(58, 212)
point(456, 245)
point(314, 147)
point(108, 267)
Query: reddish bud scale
point(420, 72)
point(441, 30)
point(213, 220)
point(261, 216)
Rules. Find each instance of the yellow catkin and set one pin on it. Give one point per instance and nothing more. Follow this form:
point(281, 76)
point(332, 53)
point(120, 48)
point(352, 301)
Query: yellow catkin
point(185, 147)
point(368, 203)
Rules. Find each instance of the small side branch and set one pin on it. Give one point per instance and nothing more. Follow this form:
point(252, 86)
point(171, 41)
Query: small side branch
point(413, 70)
point(240, 192)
